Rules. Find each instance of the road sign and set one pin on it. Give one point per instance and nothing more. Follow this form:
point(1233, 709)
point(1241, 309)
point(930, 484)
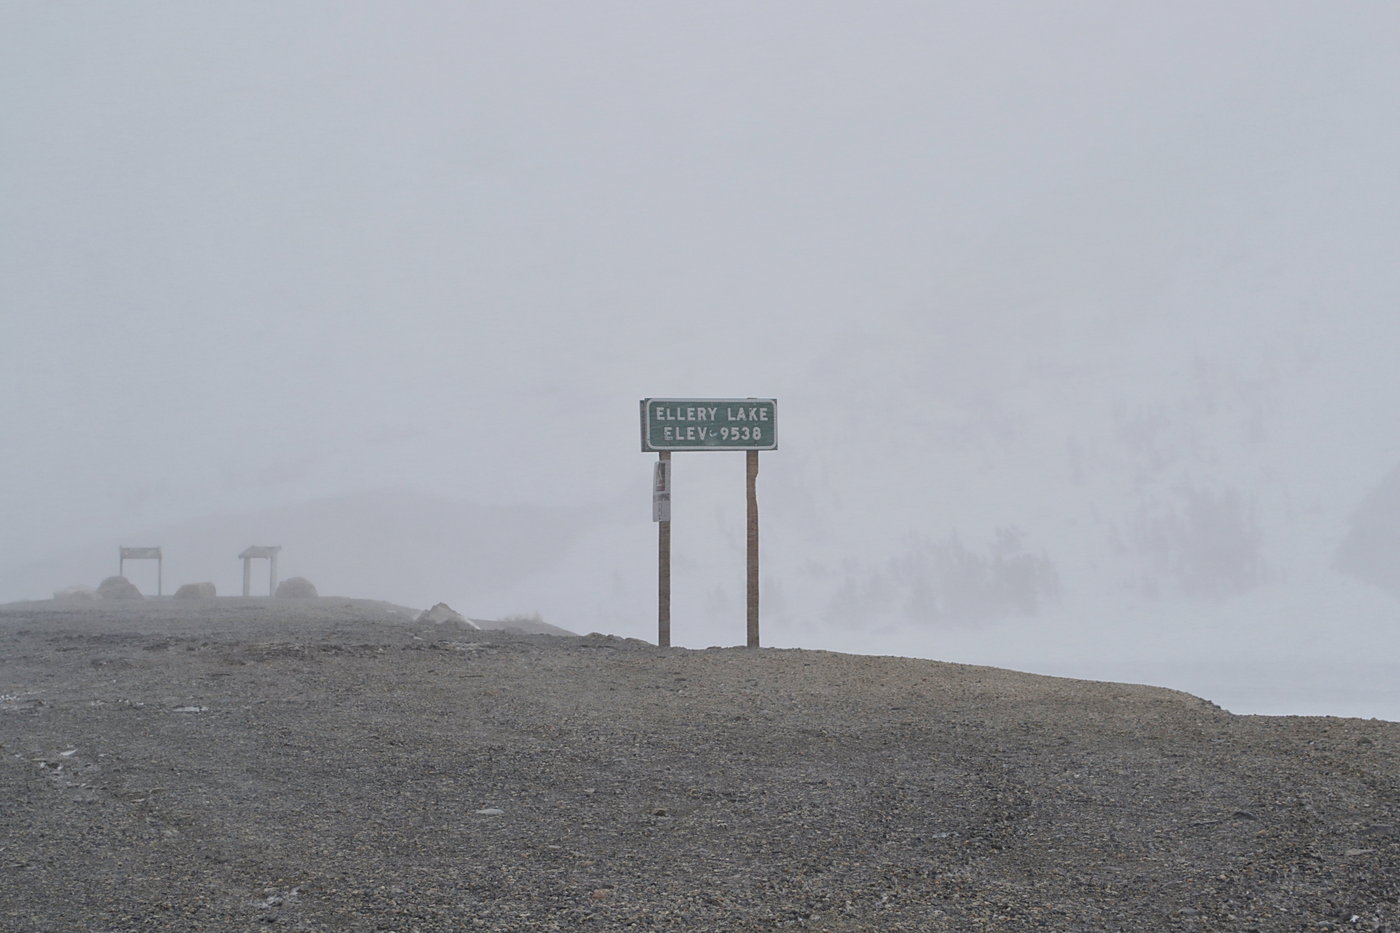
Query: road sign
point(670, 424)
point(709, 424)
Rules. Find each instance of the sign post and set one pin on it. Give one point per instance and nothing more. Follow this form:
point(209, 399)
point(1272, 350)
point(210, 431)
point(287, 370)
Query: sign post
point(671, 424)
point(125, 554)
point(250, 554)
point(661, 514)
point(751, 484)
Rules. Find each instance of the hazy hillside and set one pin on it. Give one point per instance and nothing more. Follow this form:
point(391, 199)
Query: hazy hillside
point(1371, 549)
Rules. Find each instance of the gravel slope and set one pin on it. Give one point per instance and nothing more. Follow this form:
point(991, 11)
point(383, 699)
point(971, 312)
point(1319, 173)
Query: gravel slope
point(332, 765)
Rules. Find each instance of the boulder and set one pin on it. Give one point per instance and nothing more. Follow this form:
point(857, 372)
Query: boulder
point(203, 590)
point(296, 588)
point(117, 588)
point(76, 594)
point(443, 614)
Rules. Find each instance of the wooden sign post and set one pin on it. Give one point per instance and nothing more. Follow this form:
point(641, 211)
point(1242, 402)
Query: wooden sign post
point(671, 424)
point(254, 552)
point(125, 554)
point(661, 514)
point(751, 472)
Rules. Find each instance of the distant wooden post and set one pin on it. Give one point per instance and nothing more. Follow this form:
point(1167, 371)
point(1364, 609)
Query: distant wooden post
point(125, 554)
point(260, 551)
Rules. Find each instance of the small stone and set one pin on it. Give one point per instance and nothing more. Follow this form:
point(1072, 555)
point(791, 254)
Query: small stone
point(491, 811)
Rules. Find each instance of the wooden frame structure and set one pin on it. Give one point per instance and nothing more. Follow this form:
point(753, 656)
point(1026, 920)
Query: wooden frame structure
point(260, 551)
point(125, 554)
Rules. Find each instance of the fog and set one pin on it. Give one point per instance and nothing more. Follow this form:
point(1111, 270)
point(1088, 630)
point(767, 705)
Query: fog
point(1081, 319)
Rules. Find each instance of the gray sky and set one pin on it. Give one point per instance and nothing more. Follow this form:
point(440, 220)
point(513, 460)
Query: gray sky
point(1044, 266)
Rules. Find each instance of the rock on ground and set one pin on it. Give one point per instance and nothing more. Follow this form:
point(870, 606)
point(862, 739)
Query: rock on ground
point(115, 588)
point(443, 614)
point(296, 588)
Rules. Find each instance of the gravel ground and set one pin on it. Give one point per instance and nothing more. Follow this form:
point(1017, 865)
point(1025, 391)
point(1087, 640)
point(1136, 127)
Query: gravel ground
point(332, 765)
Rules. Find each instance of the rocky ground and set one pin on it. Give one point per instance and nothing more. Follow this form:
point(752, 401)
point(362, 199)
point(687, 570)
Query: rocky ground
point(333, 765)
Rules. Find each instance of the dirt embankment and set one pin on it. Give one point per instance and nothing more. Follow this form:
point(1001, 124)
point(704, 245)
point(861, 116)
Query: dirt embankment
point(334, 765)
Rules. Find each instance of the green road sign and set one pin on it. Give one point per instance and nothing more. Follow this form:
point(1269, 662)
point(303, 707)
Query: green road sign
point(709, 424)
